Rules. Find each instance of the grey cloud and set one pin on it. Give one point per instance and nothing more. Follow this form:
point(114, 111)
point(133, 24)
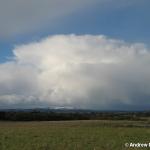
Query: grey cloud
point(19, 17)
point(23, 16)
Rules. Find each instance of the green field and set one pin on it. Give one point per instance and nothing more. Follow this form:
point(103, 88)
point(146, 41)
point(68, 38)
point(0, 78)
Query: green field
point(72, 135)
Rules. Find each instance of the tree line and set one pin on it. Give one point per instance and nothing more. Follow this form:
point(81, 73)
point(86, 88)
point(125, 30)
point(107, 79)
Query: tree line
point(58, 116)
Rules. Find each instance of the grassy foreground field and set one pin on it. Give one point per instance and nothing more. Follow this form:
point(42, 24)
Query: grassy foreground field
point(72, 135)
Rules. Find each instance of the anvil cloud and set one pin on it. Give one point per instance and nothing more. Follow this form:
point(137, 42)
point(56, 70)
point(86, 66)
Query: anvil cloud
point(24, 17)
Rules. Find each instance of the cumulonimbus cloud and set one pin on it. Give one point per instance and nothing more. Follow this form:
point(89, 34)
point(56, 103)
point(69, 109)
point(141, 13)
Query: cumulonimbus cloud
point(84, 71)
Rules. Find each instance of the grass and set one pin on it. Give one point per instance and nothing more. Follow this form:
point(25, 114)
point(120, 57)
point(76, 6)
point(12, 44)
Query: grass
point(72, 135)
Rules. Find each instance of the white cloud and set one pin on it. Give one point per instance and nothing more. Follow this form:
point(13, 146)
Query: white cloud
point(84, 71)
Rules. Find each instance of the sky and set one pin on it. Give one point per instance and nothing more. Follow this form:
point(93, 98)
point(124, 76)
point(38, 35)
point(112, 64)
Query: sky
point(81, 54)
